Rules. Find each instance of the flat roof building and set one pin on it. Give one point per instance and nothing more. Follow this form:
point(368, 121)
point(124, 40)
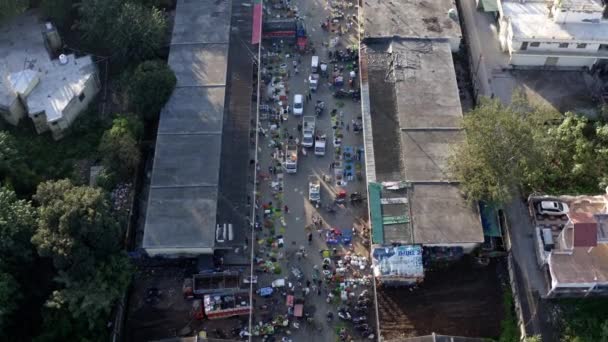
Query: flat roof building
point(52, 92)
point(557, 34)
point(412, 121)
point(182, 205)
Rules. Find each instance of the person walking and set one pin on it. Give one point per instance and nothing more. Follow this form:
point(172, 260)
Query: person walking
point(309, 238)
point(286, 209)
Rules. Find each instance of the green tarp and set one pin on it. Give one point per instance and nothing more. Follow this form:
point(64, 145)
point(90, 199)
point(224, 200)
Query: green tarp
point(375, 208)
point(488, 5)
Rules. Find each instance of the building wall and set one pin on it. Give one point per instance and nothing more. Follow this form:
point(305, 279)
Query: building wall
point(467, 247)
point(14, 112)
point(578, 290)
point(40, 122)
point(76, 106)
point(554, 46)
point(541, 61)
point(178, 252)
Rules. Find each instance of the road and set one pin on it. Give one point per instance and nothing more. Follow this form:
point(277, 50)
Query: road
point(292, 223)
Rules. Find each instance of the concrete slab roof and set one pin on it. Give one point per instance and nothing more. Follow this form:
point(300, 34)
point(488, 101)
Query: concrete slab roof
point(410, 19)
point(193, 110)
point(583, 265)
point(426, 154)
point(186, 160)
point(178, 218)
point(425, 85)
point(440, 215)
point(212, 25)
point(199, 64)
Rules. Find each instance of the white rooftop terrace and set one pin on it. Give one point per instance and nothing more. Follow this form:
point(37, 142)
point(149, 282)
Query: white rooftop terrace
point(531, 20)
point(22, 49)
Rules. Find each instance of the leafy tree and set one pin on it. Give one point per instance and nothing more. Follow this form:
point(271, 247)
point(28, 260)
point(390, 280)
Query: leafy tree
point(75, 227)
point(151, 86)
point(9, 298)
point(118, 147)
point(584, 320)
point(533, 338)
point(129, 31)
point(59, 11)
point(9, 154)
point(92, 298)
point(17, 222)
point(499, 149)
point(11, 8)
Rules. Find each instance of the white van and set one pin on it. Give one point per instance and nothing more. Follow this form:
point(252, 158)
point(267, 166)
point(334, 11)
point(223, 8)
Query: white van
point(298, 104)
point(314, 64)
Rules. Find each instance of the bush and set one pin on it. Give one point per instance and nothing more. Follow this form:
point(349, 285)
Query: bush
point(151, 86)
point(119, 149)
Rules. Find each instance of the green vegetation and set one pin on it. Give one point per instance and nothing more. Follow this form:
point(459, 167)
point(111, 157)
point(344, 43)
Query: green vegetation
point(58, 11)
point(508, 325)
point(128, 31)
point(584, 320)
point(119, 150)
point(508, 148)
point(150, 87)
point(10, 8)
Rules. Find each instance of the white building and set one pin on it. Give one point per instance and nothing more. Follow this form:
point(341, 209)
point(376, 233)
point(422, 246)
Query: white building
point(558, 33)
point(52, 92)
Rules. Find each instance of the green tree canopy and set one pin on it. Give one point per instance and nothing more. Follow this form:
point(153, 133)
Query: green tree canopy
point(11, 8)
point(128, 31)
point(9, 298)
point(118, 147)
point(17, 224)
point(498, 151)
point(151, 86)
point(92, 298)
point(75, 227)
point(59, 11)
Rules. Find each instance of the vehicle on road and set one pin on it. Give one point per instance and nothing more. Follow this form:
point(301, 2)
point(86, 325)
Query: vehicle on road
point(552, 208)
point(298, 104)
point(314, 190)
point(320, 143)
point(308, 130)
point(291, 158)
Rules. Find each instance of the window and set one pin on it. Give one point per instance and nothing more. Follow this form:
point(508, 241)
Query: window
point(563, 45)
point(535, 44)
point(524, 46)
point(54, 123)
point(581, 46)
point(81, 97)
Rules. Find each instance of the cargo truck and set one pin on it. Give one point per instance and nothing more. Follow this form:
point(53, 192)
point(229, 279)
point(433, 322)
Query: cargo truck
point(320, 143)
point(291, 158)
point(218, 306)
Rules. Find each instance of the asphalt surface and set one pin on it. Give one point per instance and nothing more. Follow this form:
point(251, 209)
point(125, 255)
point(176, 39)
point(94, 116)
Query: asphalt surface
point(295, 191)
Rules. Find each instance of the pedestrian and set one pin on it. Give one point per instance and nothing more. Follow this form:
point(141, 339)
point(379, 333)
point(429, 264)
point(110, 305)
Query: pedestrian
point(308, 283)
point(347, 128)
point(299, 127)
point(286, 209)
point(309, 238)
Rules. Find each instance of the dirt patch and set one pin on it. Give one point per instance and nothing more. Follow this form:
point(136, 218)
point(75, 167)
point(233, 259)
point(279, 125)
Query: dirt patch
point(460, 300)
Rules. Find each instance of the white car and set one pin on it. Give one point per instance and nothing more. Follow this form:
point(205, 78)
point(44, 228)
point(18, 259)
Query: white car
point(552, 208)
point(298, 104)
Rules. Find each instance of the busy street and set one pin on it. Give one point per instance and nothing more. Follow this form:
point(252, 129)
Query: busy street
point(311, 265)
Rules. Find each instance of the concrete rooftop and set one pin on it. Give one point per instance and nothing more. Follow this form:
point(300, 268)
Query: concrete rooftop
point(22, 47)
point(182, 205)
point(414, 101)
point(410, 19)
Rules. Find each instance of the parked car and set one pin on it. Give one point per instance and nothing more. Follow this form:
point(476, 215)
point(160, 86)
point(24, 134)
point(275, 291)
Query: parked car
point(552, 208)
point(298, 104)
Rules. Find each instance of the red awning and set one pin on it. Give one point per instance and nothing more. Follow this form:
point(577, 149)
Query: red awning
point(256, 31)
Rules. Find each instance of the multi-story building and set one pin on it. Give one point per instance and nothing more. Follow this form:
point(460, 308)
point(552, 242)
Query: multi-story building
point(554, 34)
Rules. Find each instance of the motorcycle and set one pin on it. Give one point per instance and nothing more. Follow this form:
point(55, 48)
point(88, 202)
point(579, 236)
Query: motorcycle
point(344, 314)
point(359, 320)
point(330, 316)
point(362, 327)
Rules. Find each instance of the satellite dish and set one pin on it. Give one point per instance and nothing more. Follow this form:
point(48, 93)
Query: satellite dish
point(63, 59)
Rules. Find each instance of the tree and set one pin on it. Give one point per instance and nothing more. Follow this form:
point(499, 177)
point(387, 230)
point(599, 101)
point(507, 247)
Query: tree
point(11, 8)
point(129, 31)
point(75, 227)
point(118, 147)
point(151, 86)
point(9, 298)
point(499, 150)
point(10, 157)
point(92, 299)
point(17, 222)
point(59, 11)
